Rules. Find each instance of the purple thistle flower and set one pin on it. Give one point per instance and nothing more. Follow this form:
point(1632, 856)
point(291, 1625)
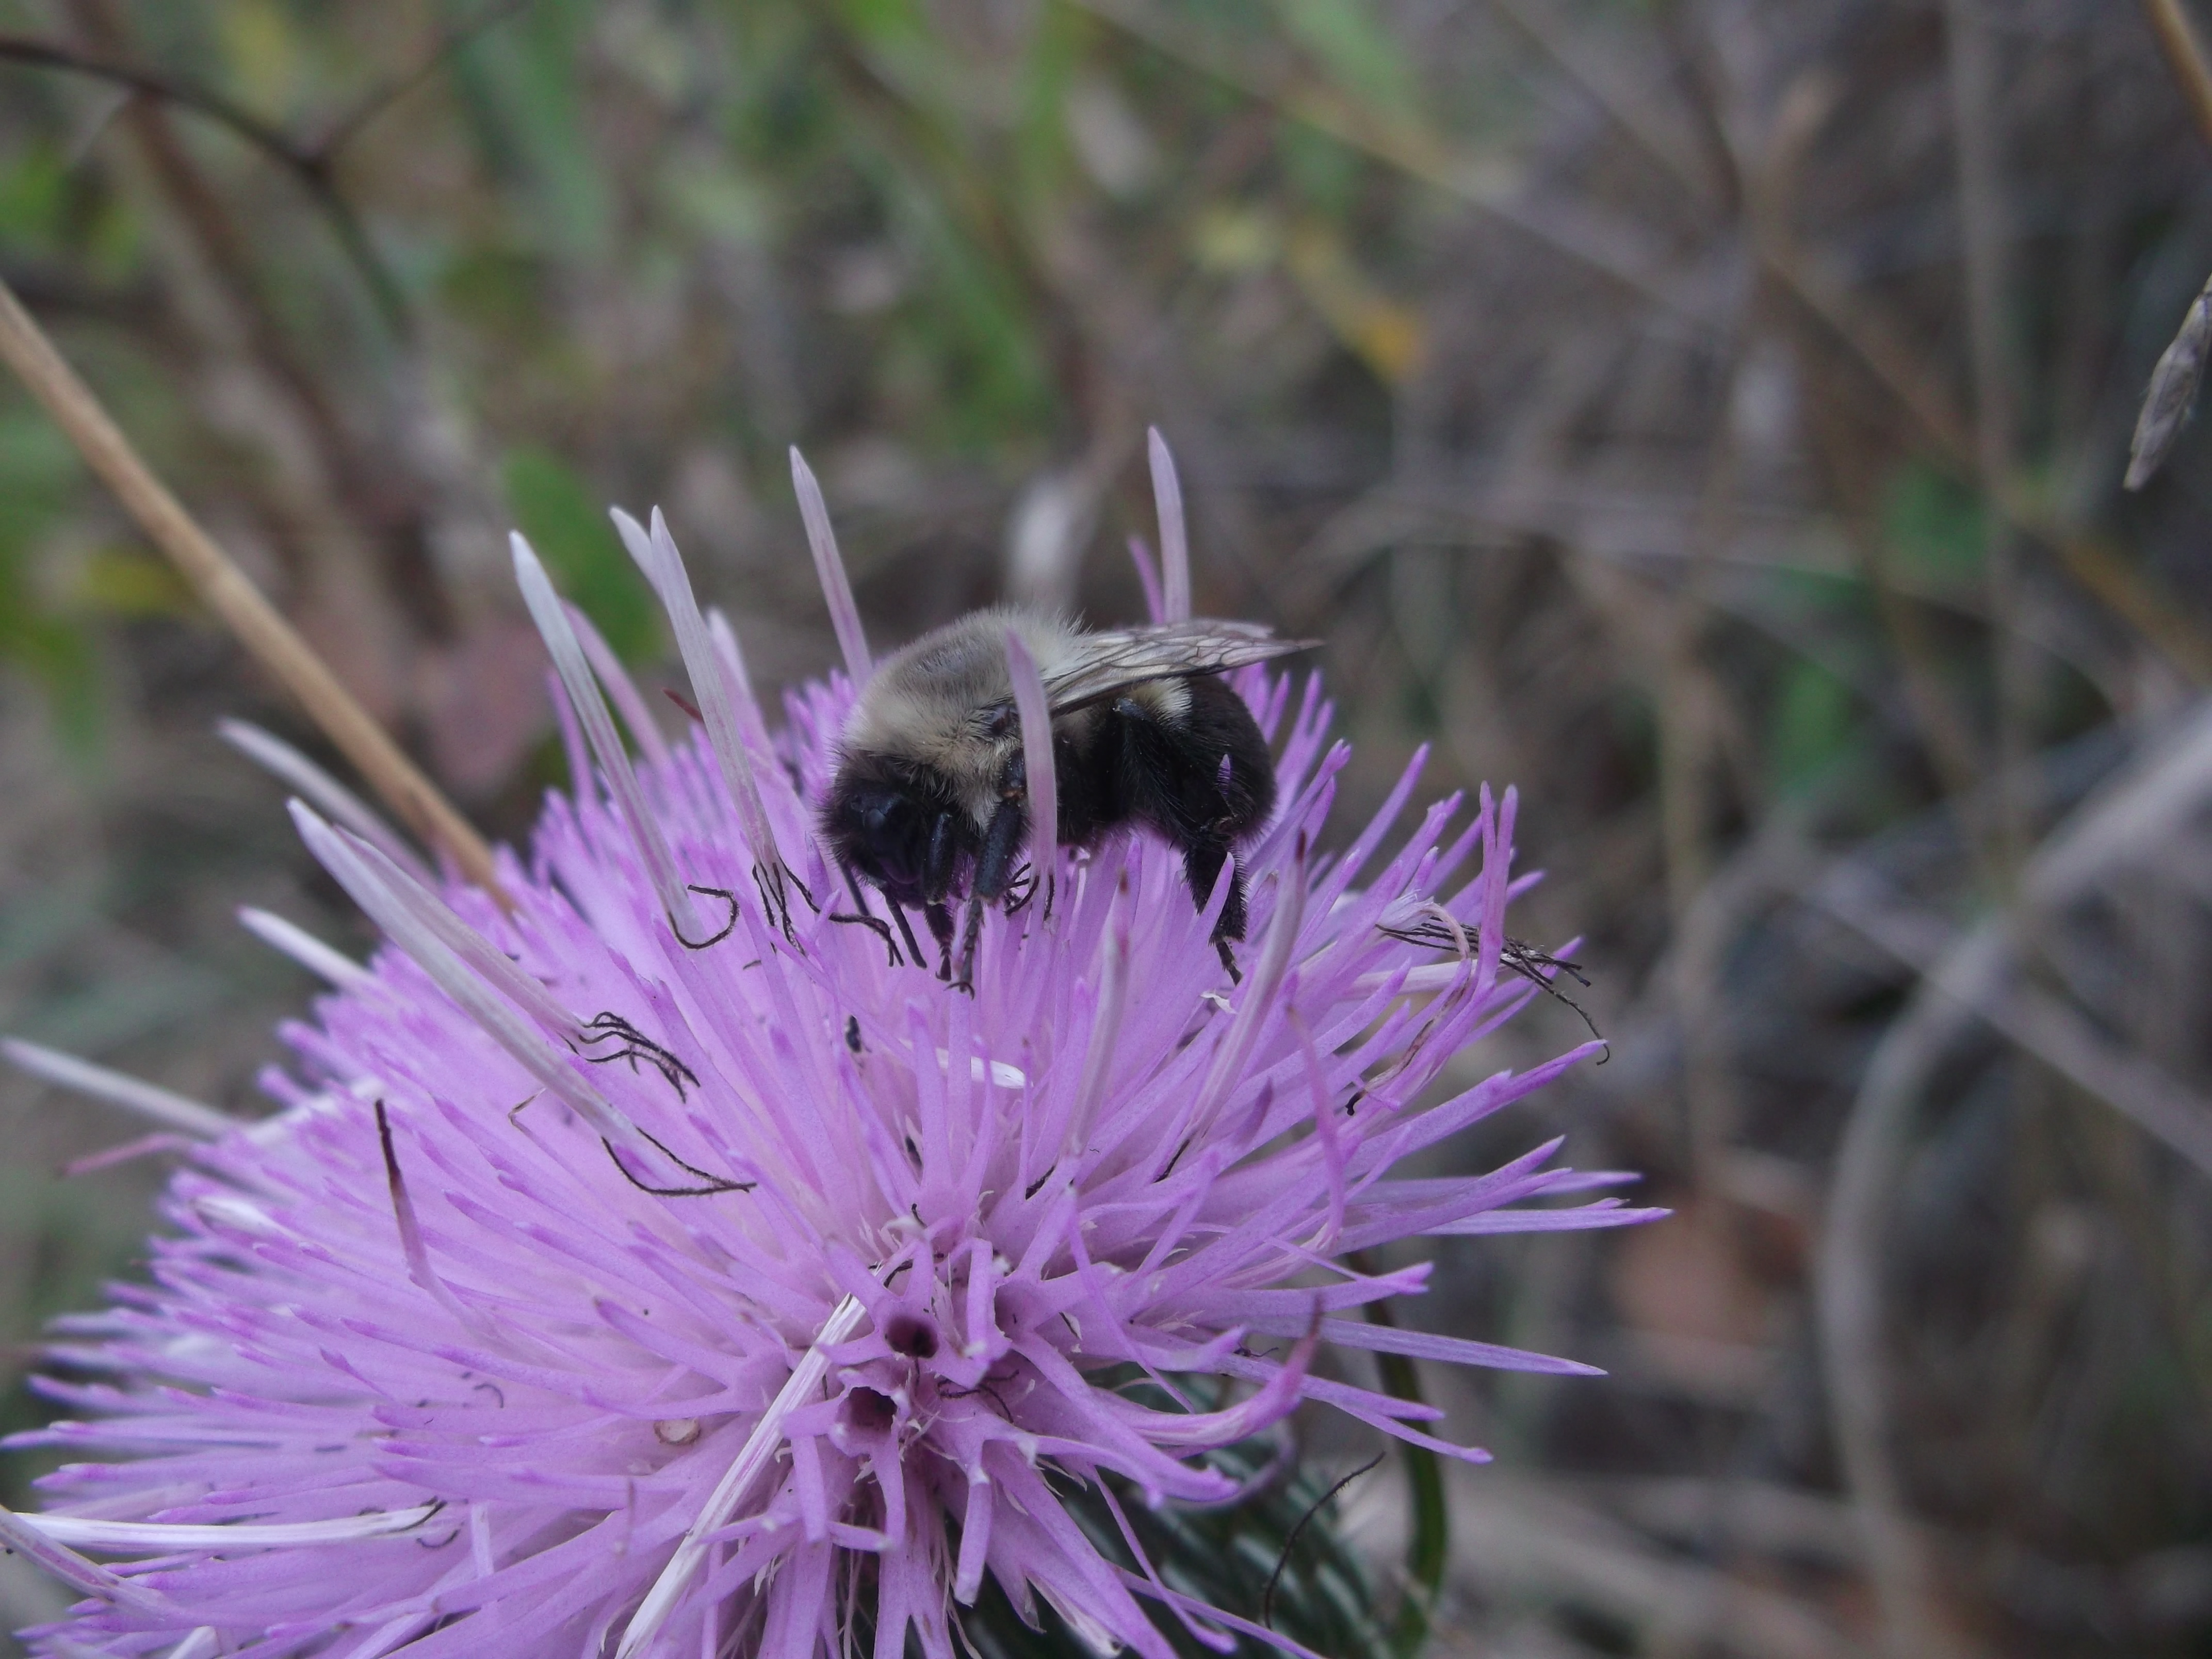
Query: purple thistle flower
point(662, 1266)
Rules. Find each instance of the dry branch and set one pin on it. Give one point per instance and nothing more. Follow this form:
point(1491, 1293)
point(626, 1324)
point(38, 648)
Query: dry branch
point(2171, 396)
point(2184, 57)
point(225, 589)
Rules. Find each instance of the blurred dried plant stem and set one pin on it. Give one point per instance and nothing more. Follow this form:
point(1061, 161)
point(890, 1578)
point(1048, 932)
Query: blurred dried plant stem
point(2185, 55)
point(225, 589)
point(2171, 396)
point(1978, 976)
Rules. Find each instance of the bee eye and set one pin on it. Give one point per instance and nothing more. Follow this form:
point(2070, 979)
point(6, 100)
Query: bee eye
point(998, 722)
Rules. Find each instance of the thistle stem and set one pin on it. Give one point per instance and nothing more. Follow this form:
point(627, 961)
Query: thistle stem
point(226, 590)
point(1429, 1545)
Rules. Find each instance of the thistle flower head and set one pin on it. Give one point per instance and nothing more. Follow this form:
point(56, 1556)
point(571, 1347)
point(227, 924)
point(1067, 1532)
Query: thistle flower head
point(654, 1260)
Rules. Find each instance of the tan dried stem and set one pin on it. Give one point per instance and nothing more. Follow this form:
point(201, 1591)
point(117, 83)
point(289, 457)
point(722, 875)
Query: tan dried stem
point(1978, 146)
point(2127, 821)
point(2184, 58)
point(2102, 569)
point(225, 589)
point(2171, 396)
point(1486, 182)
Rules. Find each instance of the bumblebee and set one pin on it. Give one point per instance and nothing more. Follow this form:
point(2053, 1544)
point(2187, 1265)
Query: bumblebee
point(931, 800)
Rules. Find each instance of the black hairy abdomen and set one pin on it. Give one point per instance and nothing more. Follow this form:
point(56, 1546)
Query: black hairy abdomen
point(1167, 776)
point(903, 828)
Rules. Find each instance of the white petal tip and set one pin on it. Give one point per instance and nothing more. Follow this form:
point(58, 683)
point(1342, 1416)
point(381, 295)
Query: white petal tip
point(628, 527)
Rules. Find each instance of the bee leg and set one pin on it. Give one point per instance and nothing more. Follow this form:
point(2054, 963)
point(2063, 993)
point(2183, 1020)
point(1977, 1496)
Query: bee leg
point(940, 929)
point(1236, 911)
point(1002, 848)
point(906, 930)
point(898, 911)
point(969, 928)
point(1203, 856)
point(1201, 868)
point(1002, 845)
point(938, 865)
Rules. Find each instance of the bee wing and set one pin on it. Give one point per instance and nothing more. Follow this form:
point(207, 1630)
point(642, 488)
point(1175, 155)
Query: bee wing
point(1109, 663)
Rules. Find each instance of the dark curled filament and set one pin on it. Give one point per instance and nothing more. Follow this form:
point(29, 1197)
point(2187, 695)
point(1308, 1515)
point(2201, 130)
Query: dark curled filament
point(709, 1184)
point(770, 878)
point(1291, 1541)
point(982, 1386)
point(636, 1046)
point(1516, 956)
point(878, 926)
point(728, 927)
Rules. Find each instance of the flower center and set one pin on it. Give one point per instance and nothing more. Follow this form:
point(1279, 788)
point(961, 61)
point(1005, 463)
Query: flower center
point(915, 1338)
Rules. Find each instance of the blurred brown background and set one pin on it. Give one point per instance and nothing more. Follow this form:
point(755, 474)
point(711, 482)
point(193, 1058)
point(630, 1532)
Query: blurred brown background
point(1707, 414)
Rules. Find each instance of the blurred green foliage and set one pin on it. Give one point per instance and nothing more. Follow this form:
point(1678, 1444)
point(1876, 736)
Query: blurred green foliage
point(567, 525)
point(1353, 42)
point(38, 480)
point(520, 88)
point(1814, 726)
point(1936, 526)
point(58, 1251)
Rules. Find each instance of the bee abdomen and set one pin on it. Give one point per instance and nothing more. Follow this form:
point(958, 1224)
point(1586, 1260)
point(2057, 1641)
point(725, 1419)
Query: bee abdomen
point(1205, 783)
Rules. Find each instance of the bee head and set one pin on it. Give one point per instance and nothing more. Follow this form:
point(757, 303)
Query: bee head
point(881, 826)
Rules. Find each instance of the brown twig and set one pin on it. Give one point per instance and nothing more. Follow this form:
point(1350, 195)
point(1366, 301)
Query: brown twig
point(324, 152)
point(313, 171)
point(1850, 1303)
point(227, 591)
point(313, 164)
point(1977, 145)
point(2100, 567)
point(1402, 140)
point(1690, 743)
point(2184, 58)
point(1623, 104)
point(361, 481)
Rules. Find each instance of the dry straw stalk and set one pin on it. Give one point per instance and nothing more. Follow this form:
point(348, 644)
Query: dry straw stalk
point(225, 589)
